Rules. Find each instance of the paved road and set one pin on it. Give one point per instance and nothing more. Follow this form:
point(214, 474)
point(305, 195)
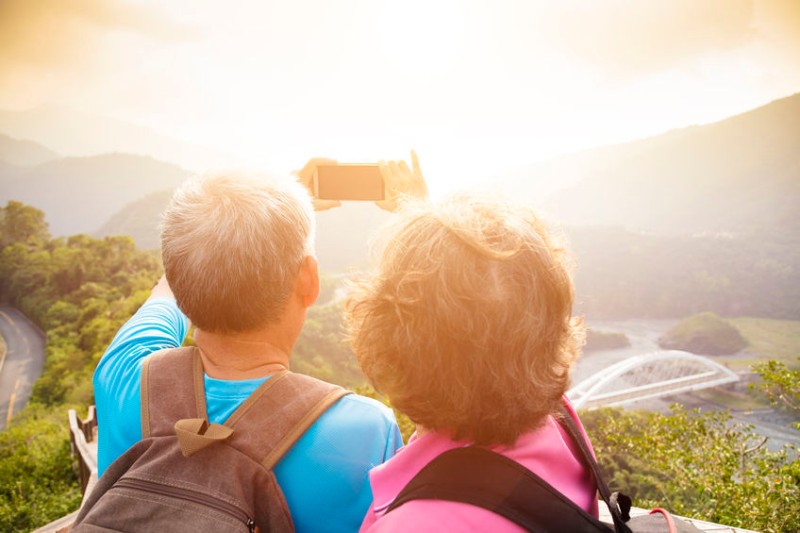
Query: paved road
point(23, 362)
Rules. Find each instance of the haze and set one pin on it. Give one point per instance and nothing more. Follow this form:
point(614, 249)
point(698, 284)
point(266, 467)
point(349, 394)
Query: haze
point(477, 87)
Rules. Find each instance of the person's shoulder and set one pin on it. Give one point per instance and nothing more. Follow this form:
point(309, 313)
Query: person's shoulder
point(356, 408)
point(354, 418)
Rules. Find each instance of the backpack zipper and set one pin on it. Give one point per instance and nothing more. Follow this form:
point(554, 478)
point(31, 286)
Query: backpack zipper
point(190, 495)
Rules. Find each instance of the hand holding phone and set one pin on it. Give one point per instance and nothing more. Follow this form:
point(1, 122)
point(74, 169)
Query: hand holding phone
point(306, 177)
point(348, 182)
point(385, 183)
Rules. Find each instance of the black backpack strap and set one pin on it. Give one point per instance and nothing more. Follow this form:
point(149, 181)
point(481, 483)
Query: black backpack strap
point(492, 481)
point(619, 505)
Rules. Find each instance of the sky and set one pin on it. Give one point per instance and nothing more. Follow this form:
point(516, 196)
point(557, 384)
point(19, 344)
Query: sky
point(476, 87)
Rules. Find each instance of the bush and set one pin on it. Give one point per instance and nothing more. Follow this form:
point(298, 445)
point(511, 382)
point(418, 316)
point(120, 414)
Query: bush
point(705, 334)
point(605, 340)
point(37, 482)
point(698, 465)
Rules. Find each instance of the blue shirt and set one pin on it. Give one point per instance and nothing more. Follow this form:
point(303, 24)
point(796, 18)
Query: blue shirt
point(323, 476)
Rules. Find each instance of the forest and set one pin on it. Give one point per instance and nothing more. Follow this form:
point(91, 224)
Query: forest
point(80, 290)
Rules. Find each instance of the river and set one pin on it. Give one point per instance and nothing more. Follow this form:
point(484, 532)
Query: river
point(643, 335)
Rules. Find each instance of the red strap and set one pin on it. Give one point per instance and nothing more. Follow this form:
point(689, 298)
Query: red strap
point(667, 517)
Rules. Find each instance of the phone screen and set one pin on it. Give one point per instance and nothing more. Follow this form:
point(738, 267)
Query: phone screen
point(348, 182)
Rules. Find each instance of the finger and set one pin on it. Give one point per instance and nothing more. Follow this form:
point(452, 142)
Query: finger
point(316, 161)
point(404, 168)
point(307, 172)
point(415, 163)
point(395, 169)
point(384, 168)
point(322, 205)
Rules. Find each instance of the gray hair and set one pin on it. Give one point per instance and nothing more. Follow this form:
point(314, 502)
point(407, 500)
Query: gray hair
point(232, 247)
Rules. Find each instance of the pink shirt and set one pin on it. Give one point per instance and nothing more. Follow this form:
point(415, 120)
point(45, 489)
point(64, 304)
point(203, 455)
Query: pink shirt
point(547, 451)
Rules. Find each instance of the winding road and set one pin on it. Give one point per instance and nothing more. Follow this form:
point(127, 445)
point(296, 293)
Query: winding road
point(22, 364)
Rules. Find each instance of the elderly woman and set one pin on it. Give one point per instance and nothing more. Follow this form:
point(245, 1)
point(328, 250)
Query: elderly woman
point(466, 326)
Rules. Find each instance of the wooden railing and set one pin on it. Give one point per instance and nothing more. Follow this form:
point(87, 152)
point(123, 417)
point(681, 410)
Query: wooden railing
point(83, 443)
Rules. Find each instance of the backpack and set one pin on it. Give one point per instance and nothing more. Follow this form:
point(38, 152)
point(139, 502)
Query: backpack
point(492, 481)
point(188, 475)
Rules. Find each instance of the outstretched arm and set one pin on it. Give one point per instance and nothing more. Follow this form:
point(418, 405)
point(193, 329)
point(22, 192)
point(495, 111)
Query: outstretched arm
point(162, 289)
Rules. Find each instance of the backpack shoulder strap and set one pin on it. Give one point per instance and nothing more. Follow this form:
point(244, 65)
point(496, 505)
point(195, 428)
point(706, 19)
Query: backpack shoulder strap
point(282, 409)
point(171, 389)
point(492, 481)
point(619, 505)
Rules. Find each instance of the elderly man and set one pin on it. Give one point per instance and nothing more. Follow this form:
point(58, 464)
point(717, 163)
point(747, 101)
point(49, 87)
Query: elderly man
point(239, 263)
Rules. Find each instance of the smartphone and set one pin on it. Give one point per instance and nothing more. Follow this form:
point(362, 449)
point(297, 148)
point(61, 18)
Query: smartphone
point(348, 182)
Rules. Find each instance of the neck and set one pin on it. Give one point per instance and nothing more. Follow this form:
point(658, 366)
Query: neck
point(246, 355)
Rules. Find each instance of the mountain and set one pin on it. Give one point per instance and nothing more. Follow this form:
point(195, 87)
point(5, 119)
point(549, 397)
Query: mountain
point(739, 174)
point(139, 219)
point(19, 152)
point(79, 194)
point(342, 234)
point(75, 133)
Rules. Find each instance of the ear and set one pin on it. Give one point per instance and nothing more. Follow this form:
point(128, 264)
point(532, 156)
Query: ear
point(308, 281)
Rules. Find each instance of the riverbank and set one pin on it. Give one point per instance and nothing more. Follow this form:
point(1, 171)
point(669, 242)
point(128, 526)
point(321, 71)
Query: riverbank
point(767, 339)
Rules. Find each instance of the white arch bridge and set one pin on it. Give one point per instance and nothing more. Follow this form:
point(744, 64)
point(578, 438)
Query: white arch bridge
point(649, 375)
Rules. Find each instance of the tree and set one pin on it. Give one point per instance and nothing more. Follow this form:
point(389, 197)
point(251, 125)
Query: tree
point(780, 384)
point(698, 465)
point(23, 224)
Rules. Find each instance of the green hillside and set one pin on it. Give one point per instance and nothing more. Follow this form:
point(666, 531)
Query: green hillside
point(622, 274)
point(80, 194)
point(342, 234)
point(139, 219)
point(737, 175)
point(20, 152)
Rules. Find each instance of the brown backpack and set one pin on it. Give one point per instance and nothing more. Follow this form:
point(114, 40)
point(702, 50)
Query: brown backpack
point(188, 475)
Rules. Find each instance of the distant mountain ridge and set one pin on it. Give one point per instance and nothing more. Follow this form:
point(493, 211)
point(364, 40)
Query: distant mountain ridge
point(734, 175)
point(342, 234)
point(80, 194)
point(80, 134)
point(22, 152)
point(738, 176)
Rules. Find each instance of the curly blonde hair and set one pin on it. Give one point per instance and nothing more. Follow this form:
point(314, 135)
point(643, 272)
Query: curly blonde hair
point(466, 323)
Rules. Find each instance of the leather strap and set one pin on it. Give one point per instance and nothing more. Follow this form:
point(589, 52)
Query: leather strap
point(281, 409)
point(171, 389)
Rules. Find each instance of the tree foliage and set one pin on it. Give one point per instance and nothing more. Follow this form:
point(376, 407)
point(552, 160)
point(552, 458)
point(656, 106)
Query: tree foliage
point(79, 290)
point(698, 465)
point(20, 223)
point(622, 274)
point(605, 340)
point(780, 384)
point(704, 333)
